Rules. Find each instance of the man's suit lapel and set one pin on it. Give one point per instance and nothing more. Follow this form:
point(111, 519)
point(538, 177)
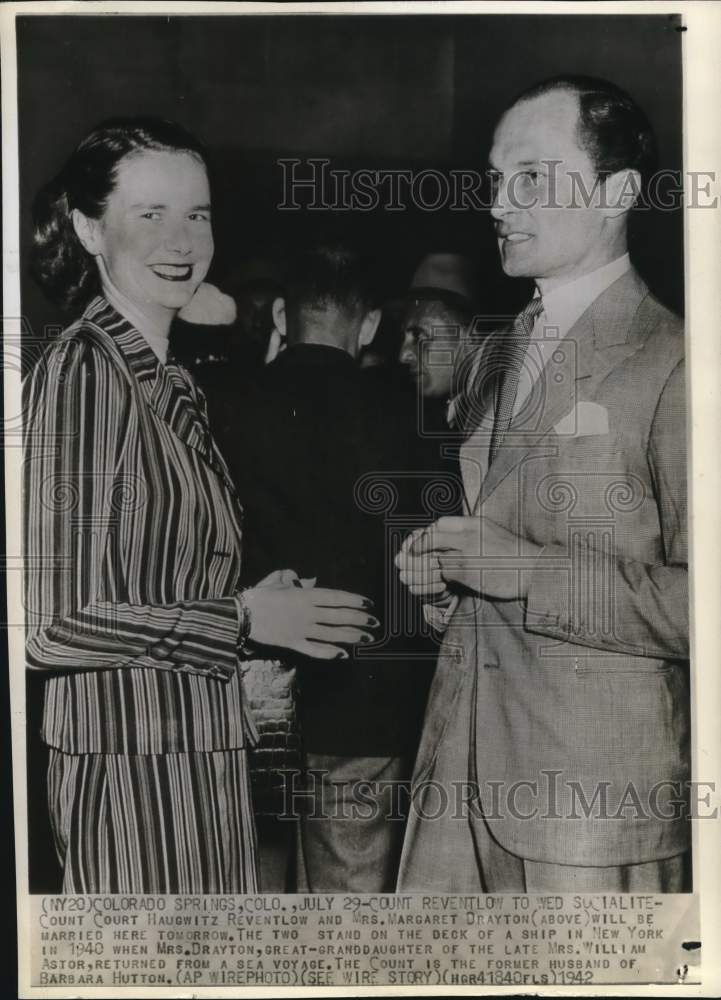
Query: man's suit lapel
point(599, 339)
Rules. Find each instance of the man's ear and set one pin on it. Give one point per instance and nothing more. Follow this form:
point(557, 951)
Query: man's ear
point(275, 346)
point(278, 312)
point(369, 327)
point(87, 231)
point(622, 190)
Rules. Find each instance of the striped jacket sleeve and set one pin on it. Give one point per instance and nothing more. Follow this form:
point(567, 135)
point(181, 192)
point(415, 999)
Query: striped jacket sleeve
point(77, 408)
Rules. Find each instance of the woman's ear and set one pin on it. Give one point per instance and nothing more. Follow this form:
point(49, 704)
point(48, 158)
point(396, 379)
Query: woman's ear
point(87, 231)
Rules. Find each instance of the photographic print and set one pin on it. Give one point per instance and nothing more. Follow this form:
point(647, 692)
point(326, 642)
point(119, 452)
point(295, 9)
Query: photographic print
point(347, 421)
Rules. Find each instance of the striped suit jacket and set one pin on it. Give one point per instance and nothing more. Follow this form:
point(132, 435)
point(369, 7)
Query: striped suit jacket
point(132, 550)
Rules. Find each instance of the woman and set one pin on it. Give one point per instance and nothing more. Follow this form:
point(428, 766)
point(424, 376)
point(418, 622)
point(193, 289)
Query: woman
point(133, 539)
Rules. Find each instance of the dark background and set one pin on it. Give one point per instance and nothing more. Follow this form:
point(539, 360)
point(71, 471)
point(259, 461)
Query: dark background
point(375, 92)
point(363, 91)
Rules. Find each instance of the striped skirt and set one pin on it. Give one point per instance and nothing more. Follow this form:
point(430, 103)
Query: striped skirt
point(165, 823)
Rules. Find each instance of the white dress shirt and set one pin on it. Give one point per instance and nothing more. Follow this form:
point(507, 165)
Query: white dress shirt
point(562, 307)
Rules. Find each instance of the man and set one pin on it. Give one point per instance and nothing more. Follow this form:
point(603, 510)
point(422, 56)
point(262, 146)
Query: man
point(309, 436)
point(439, 310)
point(558, 721)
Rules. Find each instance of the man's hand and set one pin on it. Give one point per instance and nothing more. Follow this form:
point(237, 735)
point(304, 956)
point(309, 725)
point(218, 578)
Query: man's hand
point(473, 553)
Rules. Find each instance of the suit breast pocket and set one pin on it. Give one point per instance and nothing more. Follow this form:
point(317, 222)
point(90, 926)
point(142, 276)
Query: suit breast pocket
point(613, 665)
point(586, 419)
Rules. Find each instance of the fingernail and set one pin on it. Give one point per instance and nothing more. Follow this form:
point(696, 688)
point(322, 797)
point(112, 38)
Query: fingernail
point(341, 656)
point(367, 603)
point(373, 623)
point(366, 638)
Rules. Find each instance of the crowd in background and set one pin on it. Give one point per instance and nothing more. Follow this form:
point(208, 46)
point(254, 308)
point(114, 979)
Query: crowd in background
point(319, 394)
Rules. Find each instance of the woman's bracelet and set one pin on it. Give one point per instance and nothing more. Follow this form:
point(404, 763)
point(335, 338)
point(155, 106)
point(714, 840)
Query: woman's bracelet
point(244, 621)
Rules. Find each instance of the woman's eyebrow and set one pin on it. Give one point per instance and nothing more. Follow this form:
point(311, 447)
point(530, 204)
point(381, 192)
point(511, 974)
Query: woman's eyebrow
point(194, 208)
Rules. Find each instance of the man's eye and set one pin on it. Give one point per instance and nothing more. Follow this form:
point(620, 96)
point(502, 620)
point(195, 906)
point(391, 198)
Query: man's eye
point(532, 175)
point(150, 215)
point(199, 217)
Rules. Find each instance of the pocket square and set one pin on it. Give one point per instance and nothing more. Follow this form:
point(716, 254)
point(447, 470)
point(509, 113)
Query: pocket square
point(585, 419)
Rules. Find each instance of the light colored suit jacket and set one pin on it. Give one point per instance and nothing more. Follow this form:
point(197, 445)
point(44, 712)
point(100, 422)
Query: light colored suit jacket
point(569, 710)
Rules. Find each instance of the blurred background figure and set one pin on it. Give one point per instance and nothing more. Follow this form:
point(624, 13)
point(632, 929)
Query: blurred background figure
point(324, 427)
point(255, 285)
point(436, 328)
point(225, 338)
point(440, 326)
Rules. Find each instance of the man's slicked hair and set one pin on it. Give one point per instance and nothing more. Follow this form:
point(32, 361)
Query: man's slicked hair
point(612, 128)
point(331, 273)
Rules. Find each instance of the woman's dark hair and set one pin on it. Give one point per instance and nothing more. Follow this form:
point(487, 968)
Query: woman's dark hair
point(58, 261)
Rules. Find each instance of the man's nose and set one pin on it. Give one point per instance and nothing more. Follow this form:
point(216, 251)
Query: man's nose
point(408, 352)
point(501, 202)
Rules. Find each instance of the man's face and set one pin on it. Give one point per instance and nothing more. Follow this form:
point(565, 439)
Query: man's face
point(544, 227)
point(431, 339)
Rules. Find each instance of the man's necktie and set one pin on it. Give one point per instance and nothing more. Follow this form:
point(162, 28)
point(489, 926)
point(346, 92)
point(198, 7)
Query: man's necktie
point(513, 353)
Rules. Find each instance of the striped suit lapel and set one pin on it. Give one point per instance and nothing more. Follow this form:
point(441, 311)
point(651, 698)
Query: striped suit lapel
point(175, 398)
point(172, 400)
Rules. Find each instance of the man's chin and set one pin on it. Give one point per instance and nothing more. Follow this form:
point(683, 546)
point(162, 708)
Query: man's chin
point(434, 392)
point(516, 266)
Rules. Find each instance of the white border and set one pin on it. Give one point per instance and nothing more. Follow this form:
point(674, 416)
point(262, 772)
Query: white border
point(702, 121)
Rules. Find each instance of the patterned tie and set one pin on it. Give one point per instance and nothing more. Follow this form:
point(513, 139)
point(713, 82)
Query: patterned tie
point(513, 353)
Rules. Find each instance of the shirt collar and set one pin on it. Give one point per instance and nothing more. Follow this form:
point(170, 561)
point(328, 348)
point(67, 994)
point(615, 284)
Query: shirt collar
point(312, 354)
point(564, 305)
point(155, 337)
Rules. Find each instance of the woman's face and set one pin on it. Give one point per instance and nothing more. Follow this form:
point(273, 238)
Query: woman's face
point(155, 239)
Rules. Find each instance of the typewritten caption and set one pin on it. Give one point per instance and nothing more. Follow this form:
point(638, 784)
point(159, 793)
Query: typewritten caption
point(344, 940)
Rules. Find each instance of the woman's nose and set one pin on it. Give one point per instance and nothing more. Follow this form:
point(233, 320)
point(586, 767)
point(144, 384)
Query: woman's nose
point(177, 239)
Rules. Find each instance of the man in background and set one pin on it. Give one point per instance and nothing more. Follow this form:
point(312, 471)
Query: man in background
point(441, 327)
point(305, 443)
point(440, 306)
